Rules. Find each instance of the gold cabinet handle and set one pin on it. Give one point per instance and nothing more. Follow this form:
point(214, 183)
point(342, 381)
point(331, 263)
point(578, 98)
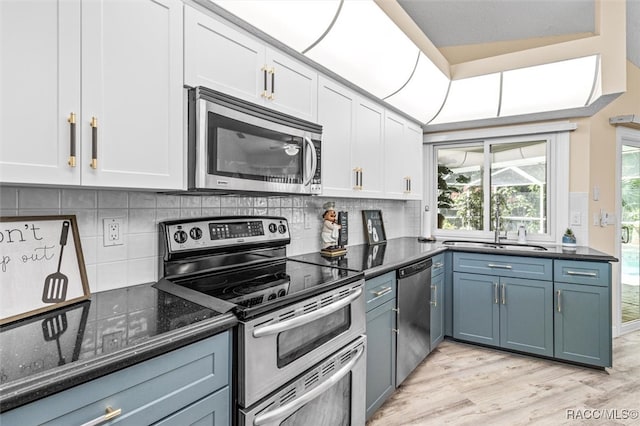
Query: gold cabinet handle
point(358, 171)
point(94, 143)
point(109, 414)
point(72, 139)
point(407, 184)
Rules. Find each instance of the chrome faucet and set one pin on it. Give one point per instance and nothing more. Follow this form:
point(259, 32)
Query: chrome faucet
point(497, 236)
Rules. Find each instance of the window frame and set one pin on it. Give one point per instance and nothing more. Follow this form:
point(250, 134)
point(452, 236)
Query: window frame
point(558, 144)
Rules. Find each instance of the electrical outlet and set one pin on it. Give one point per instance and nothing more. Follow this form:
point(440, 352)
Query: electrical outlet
point(576, 218)
point(113, 231)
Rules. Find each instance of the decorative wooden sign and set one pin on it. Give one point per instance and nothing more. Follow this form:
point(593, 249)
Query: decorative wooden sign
point(41, 265)
point(374, 226)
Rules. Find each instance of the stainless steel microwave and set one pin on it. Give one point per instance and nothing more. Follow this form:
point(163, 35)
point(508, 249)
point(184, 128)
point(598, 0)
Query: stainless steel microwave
point(235, 145)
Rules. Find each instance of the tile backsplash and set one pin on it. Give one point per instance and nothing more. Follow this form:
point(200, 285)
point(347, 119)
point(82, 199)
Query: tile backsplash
point(136, 261)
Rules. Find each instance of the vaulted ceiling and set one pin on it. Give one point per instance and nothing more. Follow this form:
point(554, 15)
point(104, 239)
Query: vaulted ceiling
point(505, 26)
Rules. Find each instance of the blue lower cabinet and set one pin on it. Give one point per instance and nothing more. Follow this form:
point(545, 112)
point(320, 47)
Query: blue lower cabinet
point(526, 315)
point(582, 321)
point(190, 383)
point(476, 313)
point(510, 313)
point(437, 310)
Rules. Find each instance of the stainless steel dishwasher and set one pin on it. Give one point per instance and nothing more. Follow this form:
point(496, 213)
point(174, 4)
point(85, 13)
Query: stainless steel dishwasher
point(413, 342)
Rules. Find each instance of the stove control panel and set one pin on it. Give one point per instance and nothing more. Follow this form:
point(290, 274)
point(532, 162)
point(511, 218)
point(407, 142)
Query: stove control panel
point(212, 233)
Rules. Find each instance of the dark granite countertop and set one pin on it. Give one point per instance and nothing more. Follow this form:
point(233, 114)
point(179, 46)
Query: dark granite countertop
point(114, 329)
point(378, 259)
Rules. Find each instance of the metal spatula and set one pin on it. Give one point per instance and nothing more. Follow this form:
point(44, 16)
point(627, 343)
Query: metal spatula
point(52, 329)
point(55, 285)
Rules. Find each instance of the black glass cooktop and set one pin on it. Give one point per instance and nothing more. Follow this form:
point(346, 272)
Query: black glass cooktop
point(258, 289)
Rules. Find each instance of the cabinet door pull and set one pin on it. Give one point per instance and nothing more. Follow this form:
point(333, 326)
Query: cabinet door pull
point(495, 293)
point(582, 274)
point(94, 143)
point(493, 265)
point(504, 296)
point(264, 75)
point(273, 84)
point(434, 302)
point(72, 139)
point(382, 292)
point(558, 293)
point(358, 172)
point(109, 414)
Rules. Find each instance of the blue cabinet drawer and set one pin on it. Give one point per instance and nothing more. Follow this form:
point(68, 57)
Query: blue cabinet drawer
point(580, 272)
point(380, 289)
point(504, 266)
point(146, 392)
point(437, 267)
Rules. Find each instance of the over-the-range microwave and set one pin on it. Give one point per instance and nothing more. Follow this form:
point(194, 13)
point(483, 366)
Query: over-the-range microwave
point(235, 145)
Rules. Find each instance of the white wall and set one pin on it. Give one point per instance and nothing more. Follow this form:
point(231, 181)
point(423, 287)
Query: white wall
point(136, 261)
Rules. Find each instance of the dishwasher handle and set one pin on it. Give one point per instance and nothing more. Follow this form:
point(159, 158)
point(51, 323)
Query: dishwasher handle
point(414, 268)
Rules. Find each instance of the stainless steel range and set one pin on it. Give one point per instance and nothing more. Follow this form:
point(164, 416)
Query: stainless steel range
point(300, 344)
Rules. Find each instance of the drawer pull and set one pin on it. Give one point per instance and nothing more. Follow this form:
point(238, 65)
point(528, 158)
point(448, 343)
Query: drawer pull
point(382, 292)
point(109, 414)
point(438, 265)
point(493, 265)
point(582, 274)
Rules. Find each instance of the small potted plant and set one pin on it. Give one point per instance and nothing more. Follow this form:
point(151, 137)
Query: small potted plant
point(568, 239)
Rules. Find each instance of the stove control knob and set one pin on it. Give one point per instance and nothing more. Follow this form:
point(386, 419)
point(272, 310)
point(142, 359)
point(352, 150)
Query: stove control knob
point(180, 237)
point(282, 229)
point(273, 228)
point(195, 233)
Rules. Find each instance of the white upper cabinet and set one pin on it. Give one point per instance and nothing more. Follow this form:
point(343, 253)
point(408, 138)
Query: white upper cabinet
point(125, 78)
point(368, 149)
point(337, 115)
point(40, 86)
point(403, 158)
point(132, 84)
point(223, 58)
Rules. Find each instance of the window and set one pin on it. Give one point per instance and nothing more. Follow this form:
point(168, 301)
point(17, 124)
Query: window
point(519, 176)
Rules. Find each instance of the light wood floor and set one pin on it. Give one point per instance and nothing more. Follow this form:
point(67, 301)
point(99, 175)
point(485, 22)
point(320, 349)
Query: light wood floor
point(462, 384)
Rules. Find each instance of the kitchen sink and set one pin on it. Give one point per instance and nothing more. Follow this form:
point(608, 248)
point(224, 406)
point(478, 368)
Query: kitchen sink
point(492, 245)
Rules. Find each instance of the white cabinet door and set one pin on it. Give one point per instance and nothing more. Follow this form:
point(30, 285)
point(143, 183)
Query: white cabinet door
point(293, 87)
point(132, 84)
point(40, 88)
point(221, 58)
point(413, 153)
point(368, 148)
point(336, 115)
point(403, 158)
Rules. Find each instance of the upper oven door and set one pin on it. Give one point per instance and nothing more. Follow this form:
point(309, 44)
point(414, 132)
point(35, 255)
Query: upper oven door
point(279, 346)
point(253, 151)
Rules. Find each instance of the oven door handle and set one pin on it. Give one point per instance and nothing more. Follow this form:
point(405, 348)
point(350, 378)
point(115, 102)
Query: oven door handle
point(286, 410)
point(268, 330)
point(314, 160)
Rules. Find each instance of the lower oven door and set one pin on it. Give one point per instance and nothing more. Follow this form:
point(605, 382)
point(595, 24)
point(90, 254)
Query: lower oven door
point(277, 347)
point(331, 393)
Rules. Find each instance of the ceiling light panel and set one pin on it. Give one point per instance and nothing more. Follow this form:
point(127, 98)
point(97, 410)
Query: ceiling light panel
point(472, 98)
point(424, 93)
point(365, 47)
point(548, 87)
point(298, 24)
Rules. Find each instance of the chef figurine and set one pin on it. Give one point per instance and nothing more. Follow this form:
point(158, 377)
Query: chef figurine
point(330, 226)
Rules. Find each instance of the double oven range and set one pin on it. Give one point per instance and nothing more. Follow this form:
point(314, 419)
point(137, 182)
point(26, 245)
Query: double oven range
point(300, 347)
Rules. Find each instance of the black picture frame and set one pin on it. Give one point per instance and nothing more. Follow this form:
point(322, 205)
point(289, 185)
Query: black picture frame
point(374, 227)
